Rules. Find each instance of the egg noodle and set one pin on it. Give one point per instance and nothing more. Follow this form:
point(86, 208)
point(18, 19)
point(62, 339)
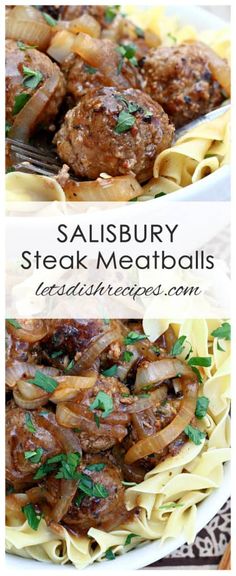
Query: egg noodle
point(196, 154)
point(169, 495)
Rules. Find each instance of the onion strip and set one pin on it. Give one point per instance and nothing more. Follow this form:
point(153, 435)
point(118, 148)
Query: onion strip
point(157, 372)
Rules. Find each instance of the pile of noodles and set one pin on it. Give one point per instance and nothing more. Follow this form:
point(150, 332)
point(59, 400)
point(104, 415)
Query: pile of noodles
point(178, 483)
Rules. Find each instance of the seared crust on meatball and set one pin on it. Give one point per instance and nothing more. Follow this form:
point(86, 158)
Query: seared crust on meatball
point(89, 141)
point(180, 79)
point(38, 62)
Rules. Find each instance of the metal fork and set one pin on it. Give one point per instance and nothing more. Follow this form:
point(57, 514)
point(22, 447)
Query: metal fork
point(30, 159)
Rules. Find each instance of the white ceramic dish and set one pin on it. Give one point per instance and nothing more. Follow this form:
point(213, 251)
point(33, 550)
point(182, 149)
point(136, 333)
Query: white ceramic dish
point(215, 187)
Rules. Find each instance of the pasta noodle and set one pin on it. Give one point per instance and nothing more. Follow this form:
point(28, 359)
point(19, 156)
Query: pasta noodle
point(170, 493)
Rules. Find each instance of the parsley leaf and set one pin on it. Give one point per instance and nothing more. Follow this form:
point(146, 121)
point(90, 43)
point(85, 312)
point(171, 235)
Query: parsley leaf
point(70, 365)
point(14, 323)
point(69, 465)
point(125, 122)
point(127, 355)
point(20, 101)
point(129, 538)
point(103, 402)
point(29, 424)
point(90, 69)
point(31, 515)
point(194, 434)
point(32, 77)
point(128, 51)
point(97, 420)
point(8, 127)
point(96, 467)
point(200, 361)
point(223, 332)
point(43, 381)
point(56, 354)
point(199, 377)
point(78, 499)
point(172, 37)
point(44, 470)
point(111, 12)
point(90, 488)
point(202, 405)
point(23, 46)
point(110, 554)
point(110, 371)
point(160, 194)
point(34, 455)
point(178, 346)
point(140, 32)
point(134, 337)
point(50, 21)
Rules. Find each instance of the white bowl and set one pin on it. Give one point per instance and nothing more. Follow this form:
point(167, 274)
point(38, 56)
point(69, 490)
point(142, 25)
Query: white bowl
point(215, 187)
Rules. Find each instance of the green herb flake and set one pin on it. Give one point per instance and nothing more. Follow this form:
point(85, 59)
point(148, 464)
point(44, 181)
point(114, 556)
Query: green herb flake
point(160, 194)
point(78, 499)
point(10, 169)
point(200, 361)
point(90, 488)
point(194, 434)
point(110, 371)
point(34, 455)
point(32, 517)
point(133, 337)
point(170, 505)
point(14, 323)
point(140, 32)
point(202, 406)
point(172, 37)
point(196, 371)
point(29, 423)
point(43, 381)
point(103, 402)
point(56, 354)
point(70, 365)
point(50, 21)
point(96, 467)
point(96, 420)
point(129, 538)
point(44, 470)
point(8, 127)
point(128, 51)
point(90, 69)
point(20, 101)
point(178, 346)
point(156, 350)
point(32, 77)
point(223, 332)
point(125, 122)
point(110, 554)
point(22, 46)
point(127, 355)
point(68, 467)
point(111, 12)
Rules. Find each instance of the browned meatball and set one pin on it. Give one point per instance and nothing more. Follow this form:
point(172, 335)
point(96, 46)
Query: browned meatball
point(105, 513)
point(16, 59)
point(97, 433)
point(28, 431)
point(81, 77)
point(180, 79)
point(91, 140)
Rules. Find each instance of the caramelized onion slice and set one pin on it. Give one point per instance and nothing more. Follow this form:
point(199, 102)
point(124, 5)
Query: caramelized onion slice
point(95, 349)
point(26, 120)
point(84, 23)
point(68, 489)
point(30, 331)
point(18, 370)
point(162, 439)
point(101, 54)
point(27, 24)
point(61, 45)
point(160, 370)
point(69, 386)
point(219, 67)
point(107, 189)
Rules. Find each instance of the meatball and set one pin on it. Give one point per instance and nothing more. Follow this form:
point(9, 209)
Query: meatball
point(104, 513)
point(29, 431)
point(114, 132)
point(97, 433)
point(80, 77)
point(36, 61)
point(180, 79)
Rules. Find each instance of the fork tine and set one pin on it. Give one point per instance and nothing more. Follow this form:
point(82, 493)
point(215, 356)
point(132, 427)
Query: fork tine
point(33, 169)
point(30, 149)
point(36, 161)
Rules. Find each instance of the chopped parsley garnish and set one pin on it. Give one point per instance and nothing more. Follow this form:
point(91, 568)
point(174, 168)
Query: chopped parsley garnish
point(103, 402)
point(194, 434)
point(14, 323)
point(156, 350)
point(7, 128)
point(43, 381)
point(125, 122)
point(32, 517)
point(110, 371)
point(178, 346)
point(90, 69)
point(32, 77)
point(34, 455)
point(202, 406)
point(29, 423)
point(133, 337)
point(23, 46)
point(106, 321)
point(70, 365)
point(196, 371)
point(50, 21)
point(97, 420)
point(111, 12)
point(96, 467)
point(127, 355)
point(68, 464)
point(10, 169)
point(20, 101)
point(91, 488)
point(200, 361)
point(140, 32)
point(172, 37)
point(128, 51)
point(110, 554)
point(129, 538)
point(56, 354)
point(222, 333)
point(160, 194)
point(170, 505)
